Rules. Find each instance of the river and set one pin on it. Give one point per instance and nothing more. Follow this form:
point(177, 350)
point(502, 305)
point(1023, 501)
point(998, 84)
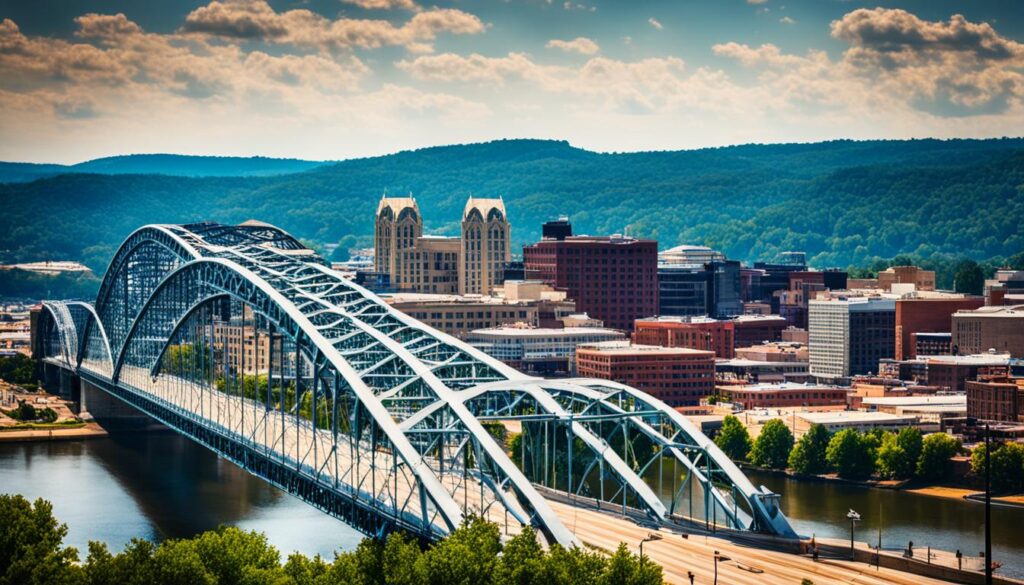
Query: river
point(159, 486)
point(162, 485)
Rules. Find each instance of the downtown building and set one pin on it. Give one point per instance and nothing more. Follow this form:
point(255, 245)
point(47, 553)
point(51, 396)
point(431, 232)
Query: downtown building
point(999, 328)
point(848, 336)
point(721, 336)
point(924, 323)
point(539, 351)
point(611, 278)
point(677, 376)
point(407, 261)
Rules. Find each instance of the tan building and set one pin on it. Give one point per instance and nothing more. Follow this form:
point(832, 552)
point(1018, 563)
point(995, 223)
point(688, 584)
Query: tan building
point(778, 351)
point(485, 246)
point(398, 226)
point(1000, 328)
point(921, 279)
point(431, 265)
point(458, 315)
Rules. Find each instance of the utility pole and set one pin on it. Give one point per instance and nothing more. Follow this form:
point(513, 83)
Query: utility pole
point(988, 507)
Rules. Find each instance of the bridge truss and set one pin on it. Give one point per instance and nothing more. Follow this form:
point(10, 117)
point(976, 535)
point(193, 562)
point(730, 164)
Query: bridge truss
point(241, 338)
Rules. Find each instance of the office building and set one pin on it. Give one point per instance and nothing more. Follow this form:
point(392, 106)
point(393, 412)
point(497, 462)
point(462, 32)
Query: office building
point(431, 265)
point(784, 395)
point(397, 227)
point(689, 256)
point(927, 315)
point(485, 246)
point(926, 344)
point(779, 351)
point(921, 279)
point(678, 376)
point(752, 371)
point(750, 330)
point(458, 315)
point(999, 327)
point(847, 336)
point(952, 372)
point(539, 351)
point(773, 278)
point(804, 286)
point(610, 278)
point(701, 333)
point(996, 398)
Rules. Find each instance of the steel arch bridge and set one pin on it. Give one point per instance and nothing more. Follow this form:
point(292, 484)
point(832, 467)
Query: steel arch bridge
point(241, 338)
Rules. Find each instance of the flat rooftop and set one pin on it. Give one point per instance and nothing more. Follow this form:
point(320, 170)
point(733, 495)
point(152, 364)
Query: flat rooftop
point(511, 331)
point(947, 400)
point(854, 417)
point(785, 386)
point(626, 348)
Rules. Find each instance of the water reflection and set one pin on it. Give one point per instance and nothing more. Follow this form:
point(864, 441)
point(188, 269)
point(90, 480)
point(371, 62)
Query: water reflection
point(160, 486)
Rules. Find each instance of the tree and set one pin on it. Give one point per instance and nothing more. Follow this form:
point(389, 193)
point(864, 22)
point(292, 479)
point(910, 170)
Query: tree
point(809, 454)
point(31, 545)
point(522, 561)
point(467, 557)
point(1007, 463)
point(910, 439)
point(17, 369)
point(850, 453)
point(893, 461)
point(733, 439)
point(969, 278)
point(773, 445)
point(936, 451)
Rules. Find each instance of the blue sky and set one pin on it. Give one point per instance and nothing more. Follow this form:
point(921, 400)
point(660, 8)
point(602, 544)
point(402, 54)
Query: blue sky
point(331, 79)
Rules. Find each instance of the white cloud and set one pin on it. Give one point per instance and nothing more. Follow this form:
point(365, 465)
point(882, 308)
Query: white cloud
point(787, 20)
point(256, 19)
point(756, 1)
point(384, 4)
point(581, 45)
point(653, 22)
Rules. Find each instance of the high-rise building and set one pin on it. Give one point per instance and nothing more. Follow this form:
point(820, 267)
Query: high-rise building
point(397, 227)
point(711, 289)
point(999, 327)
point(610, 278)
point(485, 246)
point(678, 376)
point(849, 335)
point(774, 277)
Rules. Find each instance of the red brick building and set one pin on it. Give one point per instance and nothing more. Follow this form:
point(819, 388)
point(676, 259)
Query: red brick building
point(678, 376)
point(614, 279)
point(784, 395)
point(927, 315)
point(996, 398)
point(750, 330)
point(700, 333)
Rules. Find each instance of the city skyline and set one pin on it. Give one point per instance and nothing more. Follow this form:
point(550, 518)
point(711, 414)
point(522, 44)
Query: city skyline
point(331, 79)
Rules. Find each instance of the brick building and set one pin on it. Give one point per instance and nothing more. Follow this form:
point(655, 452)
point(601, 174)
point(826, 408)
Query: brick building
point(921, 279)
point(678, 376)
point(784, 395)
point(749, 330)
point(700, 333)
point(953, 372)
point(996, 398)
point(1000, 328)
point(927, 315)
point(614, 279)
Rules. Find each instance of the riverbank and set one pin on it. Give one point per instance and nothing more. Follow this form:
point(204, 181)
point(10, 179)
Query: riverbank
point(89, 430)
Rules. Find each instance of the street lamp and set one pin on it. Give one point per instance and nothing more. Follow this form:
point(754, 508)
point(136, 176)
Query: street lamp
point(719, 557)
point(853, 517)
point(651, 537)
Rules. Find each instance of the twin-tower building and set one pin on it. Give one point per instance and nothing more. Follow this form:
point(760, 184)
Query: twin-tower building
point(471, 264)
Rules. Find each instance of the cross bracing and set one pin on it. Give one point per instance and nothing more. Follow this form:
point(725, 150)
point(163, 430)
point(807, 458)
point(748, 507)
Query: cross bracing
point(242, 338)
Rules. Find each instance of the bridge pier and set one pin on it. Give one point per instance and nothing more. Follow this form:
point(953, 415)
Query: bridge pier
point(112, 413)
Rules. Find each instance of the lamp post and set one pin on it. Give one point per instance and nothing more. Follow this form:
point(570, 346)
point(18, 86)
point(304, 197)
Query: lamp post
point(853, 517)
point(988, 508)
point(719, 557)
point(651, 537)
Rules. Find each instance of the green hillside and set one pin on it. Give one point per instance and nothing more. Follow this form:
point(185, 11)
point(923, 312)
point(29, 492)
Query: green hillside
point(161, 164)
point(844, 203)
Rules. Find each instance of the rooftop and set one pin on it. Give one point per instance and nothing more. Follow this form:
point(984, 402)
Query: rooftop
point(629, 348)
point(786, 386)
point(1006, 311)
point(933, 400)
point(854, 417)
point(513, 331)
point(983, 359)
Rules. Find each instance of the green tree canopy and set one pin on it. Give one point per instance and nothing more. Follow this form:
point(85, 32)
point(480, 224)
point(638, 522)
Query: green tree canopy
point(31, 545)
point(969, 278)
point(893, 461)
point(936, 451)
point(773, 445)
point(1007, 466)
point(809, 454)
point(733, 439)
point(852, 454)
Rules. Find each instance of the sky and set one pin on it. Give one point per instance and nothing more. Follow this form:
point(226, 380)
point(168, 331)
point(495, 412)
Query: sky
point(336, 79)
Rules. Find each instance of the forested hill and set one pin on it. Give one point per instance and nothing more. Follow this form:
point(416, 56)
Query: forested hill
point(843, 202)
point(161, 164)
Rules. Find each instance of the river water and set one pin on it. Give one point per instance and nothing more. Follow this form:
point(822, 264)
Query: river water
point(159, 486)
point(162, 485)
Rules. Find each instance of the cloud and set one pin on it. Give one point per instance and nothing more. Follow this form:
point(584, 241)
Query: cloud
point(653, 22)
point(756, 1)
point(787, 20)
point(384, 4)
point(955, 63)
point(257, 20)
point(581, 45)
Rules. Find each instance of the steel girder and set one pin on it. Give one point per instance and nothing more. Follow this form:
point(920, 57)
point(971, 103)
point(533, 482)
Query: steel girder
point(423, 392)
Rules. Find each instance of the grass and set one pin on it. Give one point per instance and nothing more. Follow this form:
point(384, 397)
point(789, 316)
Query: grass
point(71, 424)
